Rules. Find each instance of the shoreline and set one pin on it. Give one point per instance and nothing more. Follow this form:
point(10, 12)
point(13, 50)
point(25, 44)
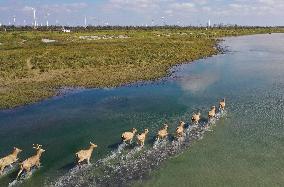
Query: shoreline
point(65, 91)
point(140, 73)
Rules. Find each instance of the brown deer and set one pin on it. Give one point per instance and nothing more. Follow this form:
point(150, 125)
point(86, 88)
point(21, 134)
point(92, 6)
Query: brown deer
point(9, 160)
point(180, 129)
point(141, 137)
point(163, 132)
point(31, 161)
point(195, 118)
point(128, 136)
point(212, 112)
point(85, 154)
point(222, 104)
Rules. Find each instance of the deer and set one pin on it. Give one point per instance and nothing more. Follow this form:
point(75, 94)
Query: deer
point(163, 132)
point(222, 104)
point(141, 137)
point(85, 154)
point(9, 160)
point(180, 129)
point(128, 136)
point(195, 118)
point(32, 161)
point(212, 112)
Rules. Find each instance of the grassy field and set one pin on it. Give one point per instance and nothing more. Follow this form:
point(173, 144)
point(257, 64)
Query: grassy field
point(31, 70)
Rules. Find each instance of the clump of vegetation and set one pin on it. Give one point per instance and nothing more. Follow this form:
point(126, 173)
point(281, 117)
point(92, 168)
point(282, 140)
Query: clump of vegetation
point(31, 70)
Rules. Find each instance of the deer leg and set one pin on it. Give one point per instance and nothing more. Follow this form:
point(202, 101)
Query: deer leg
point(80, 160)
point(38, 164)
point(1, 170)
point(88, 160)
point(21, 170)
point(79, 163)
point(28, 171)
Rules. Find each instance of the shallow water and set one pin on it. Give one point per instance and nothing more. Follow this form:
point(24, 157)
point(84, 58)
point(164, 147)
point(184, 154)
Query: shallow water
point(245, 148)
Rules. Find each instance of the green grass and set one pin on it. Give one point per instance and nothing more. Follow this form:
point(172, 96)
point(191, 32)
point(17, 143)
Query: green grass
point(31, 70)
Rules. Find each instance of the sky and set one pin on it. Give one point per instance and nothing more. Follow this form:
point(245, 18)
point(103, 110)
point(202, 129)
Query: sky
point(143, 12)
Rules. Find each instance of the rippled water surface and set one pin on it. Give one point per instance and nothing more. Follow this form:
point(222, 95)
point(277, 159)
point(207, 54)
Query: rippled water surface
point(245, 148)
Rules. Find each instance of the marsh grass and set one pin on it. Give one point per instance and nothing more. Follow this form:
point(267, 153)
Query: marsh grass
point(31, 70)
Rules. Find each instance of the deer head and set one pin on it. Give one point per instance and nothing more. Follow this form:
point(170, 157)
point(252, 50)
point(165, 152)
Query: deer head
point(38, 148)
point(134, 130)
point(17, 150)
point(181, 123)
point(93, 145)
point(166, 126)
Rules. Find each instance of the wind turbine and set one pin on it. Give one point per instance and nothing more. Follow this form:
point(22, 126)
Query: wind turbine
point(46, 17)
point(14, 20)
point(163, 20)
point(35, 23)
point(85, 21)
point(209, 23)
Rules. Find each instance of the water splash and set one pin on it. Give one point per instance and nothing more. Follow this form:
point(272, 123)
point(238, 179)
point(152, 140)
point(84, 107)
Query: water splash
point(115, 153)
point(123, 166)
point(23, 177)
point(9, 169)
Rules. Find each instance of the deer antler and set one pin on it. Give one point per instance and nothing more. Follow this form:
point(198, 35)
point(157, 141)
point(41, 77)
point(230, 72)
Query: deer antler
point(37, 146)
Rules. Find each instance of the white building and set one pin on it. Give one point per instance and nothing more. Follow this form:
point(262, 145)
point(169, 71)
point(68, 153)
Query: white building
point(65, 30)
